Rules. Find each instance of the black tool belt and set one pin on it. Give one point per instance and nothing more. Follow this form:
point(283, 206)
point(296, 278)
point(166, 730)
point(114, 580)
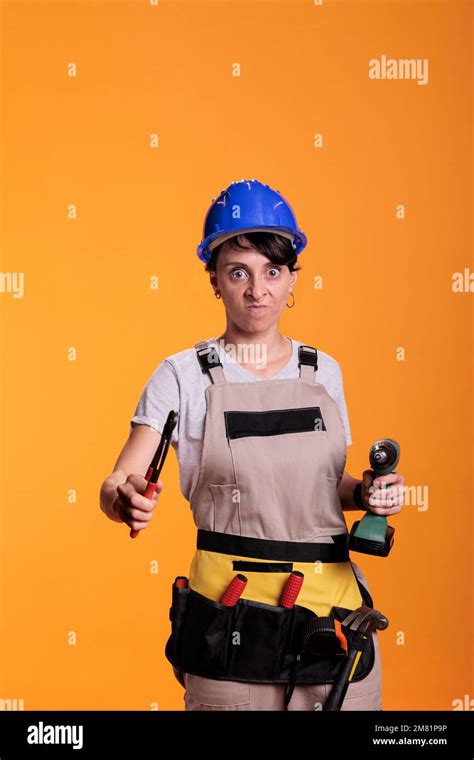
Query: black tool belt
point(251, 641)
point(254, 641)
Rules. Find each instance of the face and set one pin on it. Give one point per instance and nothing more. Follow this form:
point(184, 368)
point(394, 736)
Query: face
point(245, 278)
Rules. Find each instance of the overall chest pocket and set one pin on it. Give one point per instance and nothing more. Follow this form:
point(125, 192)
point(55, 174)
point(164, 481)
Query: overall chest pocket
point(226, 504)
point(280, 462)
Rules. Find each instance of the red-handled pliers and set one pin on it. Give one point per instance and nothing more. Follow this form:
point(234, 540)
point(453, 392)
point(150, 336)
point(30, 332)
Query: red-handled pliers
point(153, 472)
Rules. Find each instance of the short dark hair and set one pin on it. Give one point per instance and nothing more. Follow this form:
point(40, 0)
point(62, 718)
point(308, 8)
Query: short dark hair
point(275, 247)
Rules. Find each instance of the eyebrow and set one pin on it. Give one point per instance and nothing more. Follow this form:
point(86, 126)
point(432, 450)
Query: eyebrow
point(241, 264)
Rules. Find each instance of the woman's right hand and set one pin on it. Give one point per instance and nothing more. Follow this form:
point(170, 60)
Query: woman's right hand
point(131, 505)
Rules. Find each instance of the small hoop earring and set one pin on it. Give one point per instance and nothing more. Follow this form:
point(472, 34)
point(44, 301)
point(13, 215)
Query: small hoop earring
point(217, 295)
point(290, 307)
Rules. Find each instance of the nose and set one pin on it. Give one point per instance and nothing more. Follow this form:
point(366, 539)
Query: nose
point(256, 288)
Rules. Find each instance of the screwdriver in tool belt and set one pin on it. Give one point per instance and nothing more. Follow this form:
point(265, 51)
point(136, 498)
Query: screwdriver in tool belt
point(291, 589)
point(156, 464)
point(234, 590)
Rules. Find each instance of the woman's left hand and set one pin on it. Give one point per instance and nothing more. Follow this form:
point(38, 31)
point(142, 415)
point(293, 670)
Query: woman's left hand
point(383, 494)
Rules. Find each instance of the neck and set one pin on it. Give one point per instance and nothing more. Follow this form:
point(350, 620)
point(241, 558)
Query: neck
point(275, 343)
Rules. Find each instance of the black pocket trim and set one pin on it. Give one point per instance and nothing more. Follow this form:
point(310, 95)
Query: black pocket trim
point(240, 424)
point(262, 567)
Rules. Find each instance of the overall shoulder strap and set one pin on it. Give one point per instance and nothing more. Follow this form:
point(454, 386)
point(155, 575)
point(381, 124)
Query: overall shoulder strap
point(308, 363)
point(209, 360)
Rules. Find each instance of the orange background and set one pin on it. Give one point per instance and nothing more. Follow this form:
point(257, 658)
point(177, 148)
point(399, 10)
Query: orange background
point(167, 69)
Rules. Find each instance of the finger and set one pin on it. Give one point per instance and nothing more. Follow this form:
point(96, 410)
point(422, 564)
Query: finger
point(140, 515)
point(138, 482)
point(126, 490)
point(142, 484)
point(386, 507)
point(383, 501)
point(130, 518)
point(389, 504)
point(140, 502)
point(391, 477)
point(381, 497)
point(386, 510)
point(380, 493)
point(153, 489)
point(367, 478)
point(394, 493)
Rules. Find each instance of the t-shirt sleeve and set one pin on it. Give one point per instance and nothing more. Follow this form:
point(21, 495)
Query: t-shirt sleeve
point(340, 398)
point(159, 396)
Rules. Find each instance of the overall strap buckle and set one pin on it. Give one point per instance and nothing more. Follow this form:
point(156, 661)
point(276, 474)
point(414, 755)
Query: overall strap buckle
point(308, 362)
point(209, 361)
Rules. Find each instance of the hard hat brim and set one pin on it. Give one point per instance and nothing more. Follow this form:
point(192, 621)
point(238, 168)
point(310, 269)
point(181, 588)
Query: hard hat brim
point(205, 248)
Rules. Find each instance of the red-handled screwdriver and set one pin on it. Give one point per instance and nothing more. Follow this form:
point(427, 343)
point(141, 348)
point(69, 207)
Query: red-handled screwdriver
point(234, 590)
point(153, 472)
point(291, 589)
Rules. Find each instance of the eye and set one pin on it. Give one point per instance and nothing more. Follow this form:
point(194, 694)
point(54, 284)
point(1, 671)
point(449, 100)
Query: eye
point(275, 269)
point(237, 270)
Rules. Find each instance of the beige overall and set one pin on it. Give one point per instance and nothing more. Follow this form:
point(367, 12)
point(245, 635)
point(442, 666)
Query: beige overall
point(266, 504)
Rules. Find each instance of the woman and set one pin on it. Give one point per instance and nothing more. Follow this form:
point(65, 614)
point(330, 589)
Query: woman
point(261, 443)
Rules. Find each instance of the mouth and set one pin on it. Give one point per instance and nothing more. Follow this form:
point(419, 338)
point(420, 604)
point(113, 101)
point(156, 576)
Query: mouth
point(253, 307)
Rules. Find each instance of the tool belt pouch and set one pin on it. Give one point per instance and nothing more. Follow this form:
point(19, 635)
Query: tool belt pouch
point(176, 615)
point(251, 641)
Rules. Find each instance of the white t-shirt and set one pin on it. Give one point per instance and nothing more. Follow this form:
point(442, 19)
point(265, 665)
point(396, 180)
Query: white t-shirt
point(178, 383)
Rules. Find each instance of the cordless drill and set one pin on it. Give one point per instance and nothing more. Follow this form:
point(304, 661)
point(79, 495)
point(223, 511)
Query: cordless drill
point(372, 534)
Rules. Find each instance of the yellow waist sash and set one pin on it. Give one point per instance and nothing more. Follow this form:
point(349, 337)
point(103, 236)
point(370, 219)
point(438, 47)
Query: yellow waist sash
point(326, 584)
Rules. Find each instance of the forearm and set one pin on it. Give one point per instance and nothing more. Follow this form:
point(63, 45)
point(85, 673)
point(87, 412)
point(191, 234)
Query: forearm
point(346, 491)
point(108, 494)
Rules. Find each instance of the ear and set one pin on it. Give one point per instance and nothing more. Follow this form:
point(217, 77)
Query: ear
point(293, 278)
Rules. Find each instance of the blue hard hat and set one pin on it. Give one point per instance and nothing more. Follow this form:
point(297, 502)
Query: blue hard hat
point(248, 206)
